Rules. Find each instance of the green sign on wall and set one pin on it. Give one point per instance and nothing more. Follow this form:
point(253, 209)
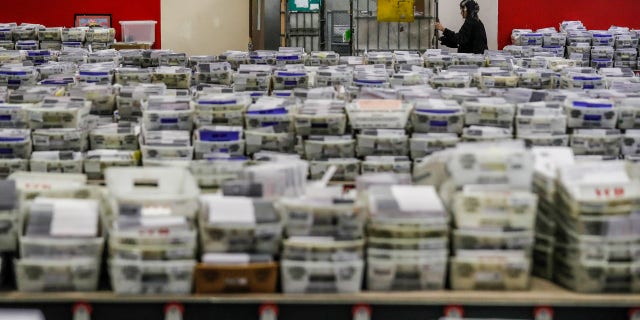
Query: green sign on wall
point(304, 5)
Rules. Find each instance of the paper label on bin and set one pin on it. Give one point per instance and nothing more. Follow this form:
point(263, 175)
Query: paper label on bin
point(226, 258)
point(232, 210)
point(412, 198)
point(489, 277)
point(378, 105)
point(156, 210)
point(74, 218)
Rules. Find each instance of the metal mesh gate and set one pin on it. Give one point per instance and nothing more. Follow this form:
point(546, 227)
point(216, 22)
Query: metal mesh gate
point(371, 35)
point(339, 32)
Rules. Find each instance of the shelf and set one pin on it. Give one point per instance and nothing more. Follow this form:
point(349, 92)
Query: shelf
point(543, 293)
point(423, 305)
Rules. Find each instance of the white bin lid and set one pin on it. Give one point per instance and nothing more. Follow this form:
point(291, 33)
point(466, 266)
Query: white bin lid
point(139, 22)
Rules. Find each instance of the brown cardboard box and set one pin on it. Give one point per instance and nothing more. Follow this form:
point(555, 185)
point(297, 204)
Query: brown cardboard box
point(253, 278)
point(130, 45)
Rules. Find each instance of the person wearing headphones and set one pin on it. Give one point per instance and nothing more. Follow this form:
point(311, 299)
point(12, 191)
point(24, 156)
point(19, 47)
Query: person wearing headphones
point(472, 37)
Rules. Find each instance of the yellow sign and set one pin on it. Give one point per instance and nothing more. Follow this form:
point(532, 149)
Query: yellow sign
point(395, 10)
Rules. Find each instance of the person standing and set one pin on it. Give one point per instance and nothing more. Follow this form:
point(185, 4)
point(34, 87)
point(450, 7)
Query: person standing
point(472, 37)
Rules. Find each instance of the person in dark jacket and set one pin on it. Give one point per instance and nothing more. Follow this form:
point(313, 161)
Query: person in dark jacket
point(472, 37)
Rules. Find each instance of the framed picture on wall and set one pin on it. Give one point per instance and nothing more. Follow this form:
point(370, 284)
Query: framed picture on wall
point(92, 20)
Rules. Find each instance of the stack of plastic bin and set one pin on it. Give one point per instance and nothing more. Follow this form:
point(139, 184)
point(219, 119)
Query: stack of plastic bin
point(494, 214)
point(324, 249)
point(597, 234)
point(153, 243)
point(407, 239)
point(61, 128)
point(239, 237)
point(61, 246)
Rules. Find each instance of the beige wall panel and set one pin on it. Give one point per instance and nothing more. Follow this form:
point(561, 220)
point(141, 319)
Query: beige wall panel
point(205, 27)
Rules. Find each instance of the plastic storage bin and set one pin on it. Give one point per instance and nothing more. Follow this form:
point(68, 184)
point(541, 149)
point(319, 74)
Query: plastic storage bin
point(303, 217)
point(222, 231)
point(38, 275)
point(405, 272)
point(157, 277)
point(173, 188)
point(139, 31)
point(316, 277)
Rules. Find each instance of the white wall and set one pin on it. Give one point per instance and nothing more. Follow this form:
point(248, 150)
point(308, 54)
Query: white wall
point(205, 27)
point(450, 17)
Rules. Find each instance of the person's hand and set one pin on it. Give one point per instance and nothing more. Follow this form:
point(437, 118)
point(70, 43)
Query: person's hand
point(439, 26)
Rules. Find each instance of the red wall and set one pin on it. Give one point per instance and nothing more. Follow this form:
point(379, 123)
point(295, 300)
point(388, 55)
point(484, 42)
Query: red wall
point(595, 14)
point(59, 13)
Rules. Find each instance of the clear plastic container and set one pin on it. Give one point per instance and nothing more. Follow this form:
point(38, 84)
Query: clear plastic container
point(436, 115)
point(380, 114)
point(490, 273)
point(378, 164)
point(210, 140)
point(60, 112)
point(73, 34)
point(323, 147)
point(221, 109)
point(262, 236)
point(479, 239)
point(15, 143)
point(172, 77)
point(500, 209)
point(14, 116)
point(60, 249)
point(422, 145)
point(305, 217)
point(321, 117)
point(97, 161)
point(213, 171)
point(168, 113)
point(597, 277)
point(40, 275)
point(322, 277)
point(60, 140)
point(596, 142)
point(151, 277)
point(173, 188)
point(267, 140)
point(57, 161)
point(405, 274)
point(166, 145)
point(347, 169)
point(100, 35)
point(489, 112)
point(382, 142)
point(320, 249)
point(160, 251)
point(121, 136)
point(214, 73)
